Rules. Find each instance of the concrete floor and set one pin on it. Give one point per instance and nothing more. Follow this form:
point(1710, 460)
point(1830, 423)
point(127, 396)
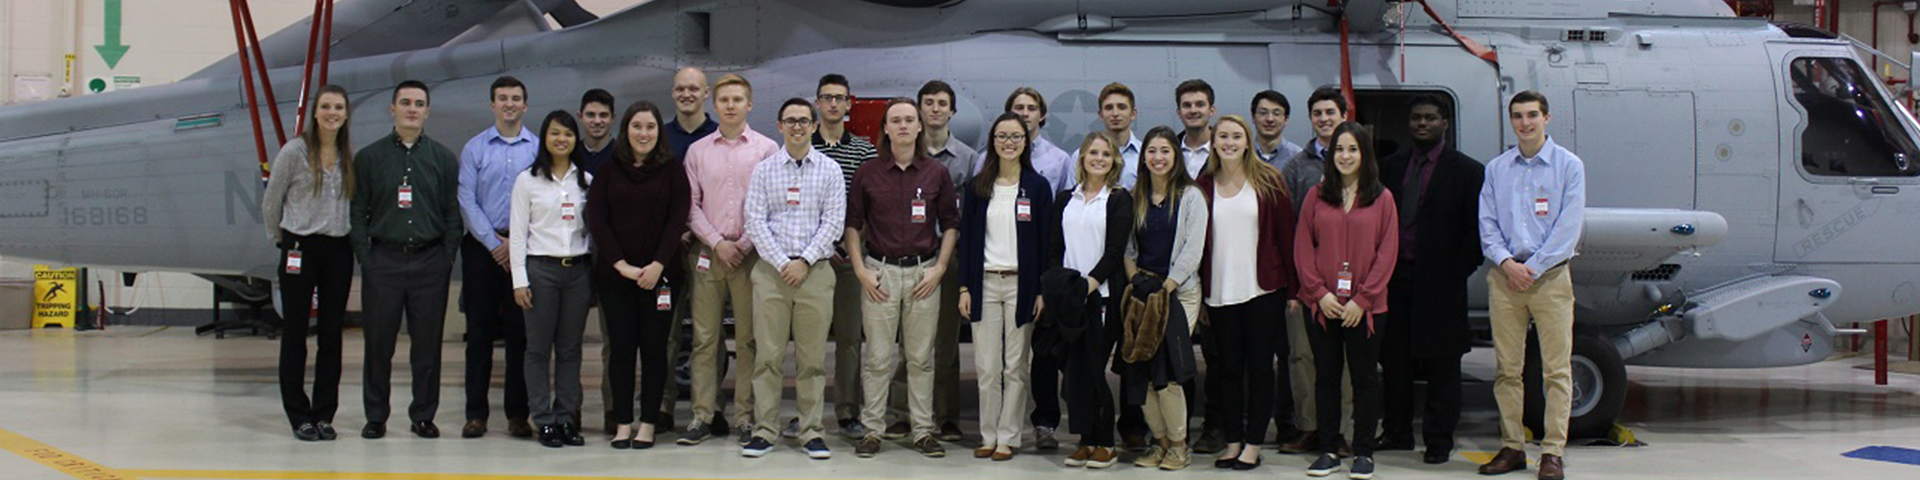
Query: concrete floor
point(158, 403)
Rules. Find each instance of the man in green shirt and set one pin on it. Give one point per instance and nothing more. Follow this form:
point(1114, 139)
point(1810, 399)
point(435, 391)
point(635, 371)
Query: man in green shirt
point(406, 225)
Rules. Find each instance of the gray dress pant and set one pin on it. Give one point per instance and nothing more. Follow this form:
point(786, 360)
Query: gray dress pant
point(394, 283)
point(555, 327)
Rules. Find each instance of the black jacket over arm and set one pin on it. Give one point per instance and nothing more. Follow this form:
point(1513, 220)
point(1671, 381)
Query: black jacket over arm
point(1448, 250)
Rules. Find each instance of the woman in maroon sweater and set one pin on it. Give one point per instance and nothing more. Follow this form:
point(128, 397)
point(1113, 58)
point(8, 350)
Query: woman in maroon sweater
point(1246, 275)
point(1346, 246)
point(636, 211)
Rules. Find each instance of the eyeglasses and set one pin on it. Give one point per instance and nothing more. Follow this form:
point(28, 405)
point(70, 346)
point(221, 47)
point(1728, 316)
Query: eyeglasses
point(1009, 137)
point(835, 98)
point(796, 122)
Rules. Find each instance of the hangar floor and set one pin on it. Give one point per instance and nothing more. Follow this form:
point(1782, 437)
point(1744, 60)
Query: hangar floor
point(158, 403)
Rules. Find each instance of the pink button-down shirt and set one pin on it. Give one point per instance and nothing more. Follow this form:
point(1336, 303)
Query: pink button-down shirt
point(717, 173)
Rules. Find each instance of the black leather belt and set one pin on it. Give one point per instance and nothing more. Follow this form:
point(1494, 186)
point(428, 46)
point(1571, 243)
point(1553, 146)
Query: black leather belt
point(906, 261)
point(407, 248)
point(564, 262)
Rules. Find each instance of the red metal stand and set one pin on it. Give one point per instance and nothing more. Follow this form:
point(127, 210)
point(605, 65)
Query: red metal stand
point(1880, 352)
point(246, 41)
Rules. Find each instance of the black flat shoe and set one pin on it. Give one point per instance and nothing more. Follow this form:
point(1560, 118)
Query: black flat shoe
point(622, 444)
point(1435, 456)
point(642, 445)
point(1244, 466)
point(326, 431)
point(1225, 463)
point(306, 432)
point(373, 431)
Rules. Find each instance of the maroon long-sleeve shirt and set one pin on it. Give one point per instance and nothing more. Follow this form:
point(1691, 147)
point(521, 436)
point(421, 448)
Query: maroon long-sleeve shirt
point(1366, 238)
point(638, 214)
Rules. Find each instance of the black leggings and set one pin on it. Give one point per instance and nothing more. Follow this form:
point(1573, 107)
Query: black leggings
point(1089, 398)
point(634, 323)
point(1244, 336)
point(1357, 351)
point(327, 266)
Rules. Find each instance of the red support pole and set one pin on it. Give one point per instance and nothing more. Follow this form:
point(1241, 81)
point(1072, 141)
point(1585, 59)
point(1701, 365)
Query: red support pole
point(1346, 70)
point(260, 64)
point(326, 44)
point(1880, 352)
point(246, 76)
point(306, 75)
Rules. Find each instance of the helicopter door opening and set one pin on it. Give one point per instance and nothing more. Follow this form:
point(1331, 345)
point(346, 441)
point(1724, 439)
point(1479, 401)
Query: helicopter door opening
point(1850, 182)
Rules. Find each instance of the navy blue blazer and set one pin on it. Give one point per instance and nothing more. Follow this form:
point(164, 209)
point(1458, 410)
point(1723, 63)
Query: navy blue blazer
point(1032, 237)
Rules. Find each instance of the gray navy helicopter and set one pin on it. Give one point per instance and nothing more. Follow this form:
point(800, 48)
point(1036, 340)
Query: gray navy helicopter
point(1751, 185)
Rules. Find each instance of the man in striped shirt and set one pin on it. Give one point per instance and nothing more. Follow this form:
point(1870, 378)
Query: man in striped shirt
point(834, 99)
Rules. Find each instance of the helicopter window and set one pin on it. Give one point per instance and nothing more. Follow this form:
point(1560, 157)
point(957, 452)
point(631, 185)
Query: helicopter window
point(1851, 129)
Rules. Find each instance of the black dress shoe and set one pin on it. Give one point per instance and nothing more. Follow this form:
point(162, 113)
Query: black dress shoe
point(519, 428)
point(425, 429)
point(306, 432)
point(1436, 456)
point(1393, 442)
point(326, 431)
point(550, 436)
point(374, 430)
point(570, 433)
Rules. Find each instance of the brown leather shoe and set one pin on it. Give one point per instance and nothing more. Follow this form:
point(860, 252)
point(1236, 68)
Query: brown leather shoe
point(983, 452)
point(1552, 467)
point(1002, 454)
point(1304, 442)
point(1507, 460)
point(474, 429)
point(519, 428)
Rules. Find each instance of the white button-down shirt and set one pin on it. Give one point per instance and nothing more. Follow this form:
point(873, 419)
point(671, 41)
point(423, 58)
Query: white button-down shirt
point(1196, 157)
point(1083, 225)
point(548, 219)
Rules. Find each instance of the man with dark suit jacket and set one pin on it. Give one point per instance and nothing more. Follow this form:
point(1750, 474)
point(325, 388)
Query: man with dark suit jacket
point(1439, 249)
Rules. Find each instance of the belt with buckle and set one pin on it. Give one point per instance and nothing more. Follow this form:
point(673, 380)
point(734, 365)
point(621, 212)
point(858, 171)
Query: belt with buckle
point(564, 262)
point(903, 261)
point(1003, 273)
point(408, 248)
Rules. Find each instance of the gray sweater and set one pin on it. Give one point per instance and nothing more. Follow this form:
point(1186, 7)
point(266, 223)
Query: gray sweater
point(1301, 174)
point(292, 204)
point(1187, 245)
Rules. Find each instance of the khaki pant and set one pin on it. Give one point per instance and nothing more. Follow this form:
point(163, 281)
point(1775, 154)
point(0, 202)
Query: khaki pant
point(912, 322)
point(1548, 308)
point(1302, 375)
point(720, 283)
point(802, 313)
point(1166, 412)
point(1002, 354)
point(848, 396)
point(946, 359)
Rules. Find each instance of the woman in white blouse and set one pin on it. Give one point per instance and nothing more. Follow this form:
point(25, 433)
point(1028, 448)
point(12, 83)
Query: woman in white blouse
point(547, 243)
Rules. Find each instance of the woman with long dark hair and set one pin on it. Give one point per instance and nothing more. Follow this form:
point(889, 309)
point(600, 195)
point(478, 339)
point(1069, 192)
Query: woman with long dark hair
point(1347, 243)
point(1168, 238)
point(548, 249)
point(1002, 228)
point(637, 210)
point(305, 209)
point(1251, 219)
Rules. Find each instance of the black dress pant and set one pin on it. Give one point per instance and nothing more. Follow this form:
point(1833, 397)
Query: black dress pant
point(414, 284)
point(635, 325)
point(1355, 350)
point(1400, 364)
point(326, 266)
point(1089, 398)
point(1045, 384)
point(1243, 335)
point(486, 294)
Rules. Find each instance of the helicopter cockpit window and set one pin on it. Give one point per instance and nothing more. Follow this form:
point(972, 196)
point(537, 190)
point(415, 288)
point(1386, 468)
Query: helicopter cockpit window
point(1851, 129)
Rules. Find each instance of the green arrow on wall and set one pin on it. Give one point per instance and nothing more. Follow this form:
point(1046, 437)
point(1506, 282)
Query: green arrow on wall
point(113, 50)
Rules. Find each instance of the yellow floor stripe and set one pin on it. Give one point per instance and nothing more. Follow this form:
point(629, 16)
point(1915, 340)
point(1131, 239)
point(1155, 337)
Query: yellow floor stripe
point(60, 461)
point(1478, 457)
point(299, 475)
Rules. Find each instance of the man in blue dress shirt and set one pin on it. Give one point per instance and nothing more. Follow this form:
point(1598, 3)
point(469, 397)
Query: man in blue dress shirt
point(488, 164)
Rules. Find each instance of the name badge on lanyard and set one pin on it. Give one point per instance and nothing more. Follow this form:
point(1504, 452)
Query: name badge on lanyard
point(919, 210)
point(568, 211)
point(1541, 206)
point(1023, 208)
point(793, 196)
point(704, 263)
point(664, 300)
point(406, 194)
point(293, 260)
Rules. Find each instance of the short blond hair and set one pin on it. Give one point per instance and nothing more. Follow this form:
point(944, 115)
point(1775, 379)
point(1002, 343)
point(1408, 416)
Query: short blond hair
point(733, 79)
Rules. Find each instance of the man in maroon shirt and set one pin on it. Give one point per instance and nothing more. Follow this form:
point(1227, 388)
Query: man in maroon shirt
point(902, 223)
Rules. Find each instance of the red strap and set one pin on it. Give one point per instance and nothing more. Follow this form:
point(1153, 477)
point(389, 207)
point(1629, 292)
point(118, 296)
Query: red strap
point(1473, 47)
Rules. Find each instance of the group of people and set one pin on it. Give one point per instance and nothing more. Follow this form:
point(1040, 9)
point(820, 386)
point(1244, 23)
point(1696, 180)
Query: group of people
point(1311, 280)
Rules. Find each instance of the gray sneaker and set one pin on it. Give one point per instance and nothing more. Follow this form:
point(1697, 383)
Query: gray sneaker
point(792, 430)
point(852, 429)
point(695, 433)
point(743, 432)
point(1043, 439)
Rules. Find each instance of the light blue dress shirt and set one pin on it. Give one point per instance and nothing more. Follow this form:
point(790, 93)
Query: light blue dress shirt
point(488, 165)
point(1531, 209)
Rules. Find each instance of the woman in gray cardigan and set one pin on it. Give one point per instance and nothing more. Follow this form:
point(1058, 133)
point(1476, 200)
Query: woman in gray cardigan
point(1170, 227)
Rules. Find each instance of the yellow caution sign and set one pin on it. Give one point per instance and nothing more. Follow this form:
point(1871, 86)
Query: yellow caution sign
point(53, 295)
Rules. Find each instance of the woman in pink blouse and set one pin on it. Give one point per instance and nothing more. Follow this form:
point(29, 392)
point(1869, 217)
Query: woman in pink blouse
point(1345, 248)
